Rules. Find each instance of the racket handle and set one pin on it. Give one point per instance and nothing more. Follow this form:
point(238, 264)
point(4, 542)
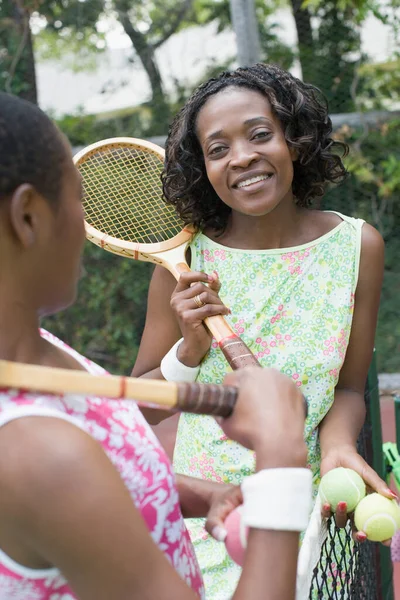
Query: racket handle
point(237, 353)
point(206, 399)
point(232, 346)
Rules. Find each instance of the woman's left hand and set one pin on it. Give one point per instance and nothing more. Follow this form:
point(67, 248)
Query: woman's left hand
point(348, 457)
point(223, 502)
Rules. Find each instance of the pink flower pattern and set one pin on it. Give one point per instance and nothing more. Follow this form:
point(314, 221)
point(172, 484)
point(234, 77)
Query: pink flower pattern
point(136, 453)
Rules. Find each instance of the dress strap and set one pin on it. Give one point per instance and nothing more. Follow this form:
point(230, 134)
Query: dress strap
point(357, 224)
point(19, 411)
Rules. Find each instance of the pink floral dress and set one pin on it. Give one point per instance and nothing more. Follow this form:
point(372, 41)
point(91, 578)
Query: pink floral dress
point(293, 307)
point(143, 465)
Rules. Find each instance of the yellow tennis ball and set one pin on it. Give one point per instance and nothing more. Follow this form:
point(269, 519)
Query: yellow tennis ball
point(378, 517)
point(342, 485)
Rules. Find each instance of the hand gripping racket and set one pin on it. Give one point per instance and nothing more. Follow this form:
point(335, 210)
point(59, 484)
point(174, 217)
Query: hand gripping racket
point(125, 214)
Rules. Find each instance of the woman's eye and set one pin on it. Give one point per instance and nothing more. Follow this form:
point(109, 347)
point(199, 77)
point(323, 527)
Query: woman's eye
point(262, 134)
point(216, 150)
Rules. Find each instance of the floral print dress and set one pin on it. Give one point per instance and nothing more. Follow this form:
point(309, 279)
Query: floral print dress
point(131, 445)
point(293, 307)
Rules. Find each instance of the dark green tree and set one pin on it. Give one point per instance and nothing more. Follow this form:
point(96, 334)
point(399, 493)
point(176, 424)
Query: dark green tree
point(148, 24)
point(337, 55)
point(17, 64)
point(302, 19)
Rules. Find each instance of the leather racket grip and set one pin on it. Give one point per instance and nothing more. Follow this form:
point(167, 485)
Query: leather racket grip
point(206, 399)
point(237, 353)
point(210, 399)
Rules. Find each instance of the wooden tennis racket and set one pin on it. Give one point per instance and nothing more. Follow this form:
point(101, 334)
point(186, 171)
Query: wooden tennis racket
point(125, 214)
point(198, 398)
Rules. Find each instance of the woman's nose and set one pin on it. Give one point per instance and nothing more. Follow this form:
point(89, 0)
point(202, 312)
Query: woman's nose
point(243, 155)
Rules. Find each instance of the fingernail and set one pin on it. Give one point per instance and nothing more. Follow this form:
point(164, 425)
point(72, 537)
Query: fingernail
point(342, 506)
point(210, 278)
point(229, 311)
point(392, 494)
point(327, 507)
point(361, 536)
point(216, 274)
point(219, 533)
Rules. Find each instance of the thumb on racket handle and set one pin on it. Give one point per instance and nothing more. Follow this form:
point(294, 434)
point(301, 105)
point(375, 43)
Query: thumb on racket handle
point(232, 346)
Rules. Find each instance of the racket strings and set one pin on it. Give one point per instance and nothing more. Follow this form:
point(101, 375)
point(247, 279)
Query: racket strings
point(122, 195)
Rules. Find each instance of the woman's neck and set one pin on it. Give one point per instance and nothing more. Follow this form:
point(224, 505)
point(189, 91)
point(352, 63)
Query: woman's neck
point(19, 333)
point(278, 229)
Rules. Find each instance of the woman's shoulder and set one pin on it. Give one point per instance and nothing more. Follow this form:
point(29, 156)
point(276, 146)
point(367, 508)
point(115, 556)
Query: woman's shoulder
point(85, 363)
point(327, 220)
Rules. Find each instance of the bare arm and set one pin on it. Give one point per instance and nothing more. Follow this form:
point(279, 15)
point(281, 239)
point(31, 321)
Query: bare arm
point(63, 498)
point(161, 329)
point(341, 427)
point(172, 313)
point(196, 495)
point(63, 504)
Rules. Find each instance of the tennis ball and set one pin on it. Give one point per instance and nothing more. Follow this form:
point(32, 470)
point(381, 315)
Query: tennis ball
point(342, 485)
point(378, 517)
point(236, 539)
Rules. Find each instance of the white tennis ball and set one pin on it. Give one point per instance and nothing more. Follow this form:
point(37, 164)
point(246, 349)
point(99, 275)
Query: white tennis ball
point(378, 517)
point(342, 485)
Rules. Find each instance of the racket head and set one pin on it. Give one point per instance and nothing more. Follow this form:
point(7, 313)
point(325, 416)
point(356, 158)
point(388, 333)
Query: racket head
point(122, 198)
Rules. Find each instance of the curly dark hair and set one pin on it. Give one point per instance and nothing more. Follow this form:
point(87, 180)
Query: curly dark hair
point(303, 113)
point(31, 149)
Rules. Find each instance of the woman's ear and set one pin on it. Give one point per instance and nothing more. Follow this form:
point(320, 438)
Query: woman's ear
point(294, 154)
point(26, 213)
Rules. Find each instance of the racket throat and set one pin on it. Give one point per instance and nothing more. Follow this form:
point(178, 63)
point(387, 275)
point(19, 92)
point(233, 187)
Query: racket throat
point(173, 259)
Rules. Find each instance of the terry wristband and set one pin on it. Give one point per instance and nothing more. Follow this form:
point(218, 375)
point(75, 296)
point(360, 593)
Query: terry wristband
point(277, 499)
point(173, 370)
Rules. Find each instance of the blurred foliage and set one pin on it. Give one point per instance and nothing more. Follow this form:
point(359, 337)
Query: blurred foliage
point(108, 317)
point(273, 49)
point(334, 61)
point(380, 85)
point(372, 192)
point(77, 52)
point(336, 57)
point(17, 66)
point(86, 129)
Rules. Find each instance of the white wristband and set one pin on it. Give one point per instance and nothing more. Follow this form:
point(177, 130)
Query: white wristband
point(277, 499)
point(173, 370)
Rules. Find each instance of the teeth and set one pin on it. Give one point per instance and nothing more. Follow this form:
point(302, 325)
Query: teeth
point(253, 180)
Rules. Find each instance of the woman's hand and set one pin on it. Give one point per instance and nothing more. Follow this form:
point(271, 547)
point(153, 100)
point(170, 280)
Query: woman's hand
point(223, 501)
point(268, 417)
point(192, 301)
point(348, 457)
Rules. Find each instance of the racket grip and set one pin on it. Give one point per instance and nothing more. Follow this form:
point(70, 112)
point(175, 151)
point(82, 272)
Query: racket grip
point(206, 399)
point(237, 353)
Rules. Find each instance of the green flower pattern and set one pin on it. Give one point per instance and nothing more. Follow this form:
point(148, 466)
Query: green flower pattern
point(293, 308)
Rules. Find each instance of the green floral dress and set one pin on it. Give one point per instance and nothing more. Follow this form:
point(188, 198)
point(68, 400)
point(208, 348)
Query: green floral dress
point(293, 307)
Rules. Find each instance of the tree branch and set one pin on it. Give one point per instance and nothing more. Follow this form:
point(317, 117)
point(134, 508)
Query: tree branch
point(176, 20)
point(137, 38)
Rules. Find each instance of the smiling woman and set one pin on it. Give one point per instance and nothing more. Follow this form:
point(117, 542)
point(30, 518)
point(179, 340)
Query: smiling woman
point(248, 162)
point(245, 159)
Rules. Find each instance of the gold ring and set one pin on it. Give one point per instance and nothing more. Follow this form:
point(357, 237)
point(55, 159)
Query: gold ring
point(198, 301)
